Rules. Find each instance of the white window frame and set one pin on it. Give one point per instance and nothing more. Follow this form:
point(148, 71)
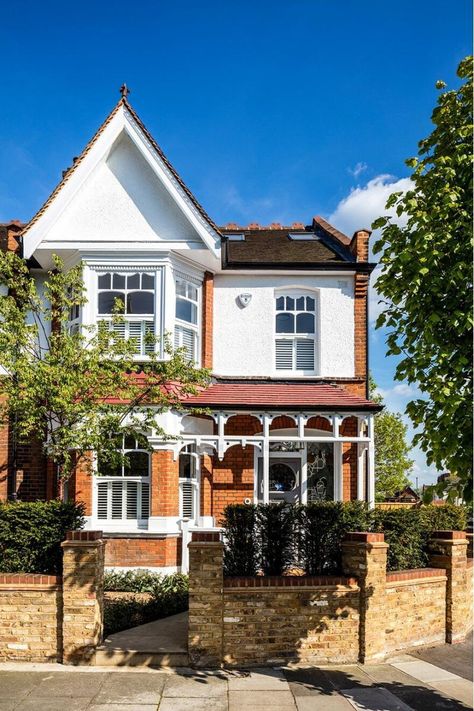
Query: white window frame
point(122, 523)
point(179, 323)
point(130, 318)
point(293, 337)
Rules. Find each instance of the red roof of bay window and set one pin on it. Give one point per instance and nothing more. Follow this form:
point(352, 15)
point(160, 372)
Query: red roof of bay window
point(280, 395)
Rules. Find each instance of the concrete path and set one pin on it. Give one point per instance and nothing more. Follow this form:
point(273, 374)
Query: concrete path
point(407, 683)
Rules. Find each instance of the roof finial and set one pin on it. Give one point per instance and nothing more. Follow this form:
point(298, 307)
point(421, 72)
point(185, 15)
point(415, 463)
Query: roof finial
point(124, 90)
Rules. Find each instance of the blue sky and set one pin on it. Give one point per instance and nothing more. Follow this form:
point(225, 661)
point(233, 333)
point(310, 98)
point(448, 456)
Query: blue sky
point(271, 110)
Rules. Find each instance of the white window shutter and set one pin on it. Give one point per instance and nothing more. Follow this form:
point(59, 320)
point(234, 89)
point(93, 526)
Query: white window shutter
point(132, 499)
point(135, 333)
point(187, 499)
point(118, 331)
point(149, 330)
point(185, 337)
point(102, 499)
point(116, 499)
point(284, 354)
point(304, 354)
point(145, 500)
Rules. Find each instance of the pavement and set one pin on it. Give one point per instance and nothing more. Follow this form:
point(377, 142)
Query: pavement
point(406, 682)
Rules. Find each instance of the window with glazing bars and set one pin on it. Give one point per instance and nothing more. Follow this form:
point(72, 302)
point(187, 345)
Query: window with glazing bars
point(295, 333)
point(123, 490)
point(133, 296)
point(186, 326)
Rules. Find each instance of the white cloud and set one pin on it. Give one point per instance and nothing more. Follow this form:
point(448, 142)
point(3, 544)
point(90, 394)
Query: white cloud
point(245, 208)
point(359, 168)
point(364, 204)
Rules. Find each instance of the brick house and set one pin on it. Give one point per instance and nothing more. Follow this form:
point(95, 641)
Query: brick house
point(278, 314)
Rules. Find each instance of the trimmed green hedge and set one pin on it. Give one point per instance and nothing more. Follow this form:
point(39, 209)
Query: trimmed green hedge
point(275, 538)
point(169, 595)
point(31, 534)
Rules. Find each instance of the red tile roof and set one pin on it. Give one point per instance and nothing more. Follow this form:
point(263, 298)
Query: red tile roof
point(280, 396)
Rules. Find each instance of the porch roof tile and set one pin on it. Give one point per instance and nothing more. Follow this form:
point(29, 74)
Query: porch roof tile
point(275, 396)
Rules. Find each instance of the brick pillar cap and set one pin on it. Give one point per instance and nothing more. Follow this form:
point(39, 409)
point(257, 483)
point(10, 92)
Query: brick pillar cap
point(365, 537)
point(449, 535)
point(84, 535)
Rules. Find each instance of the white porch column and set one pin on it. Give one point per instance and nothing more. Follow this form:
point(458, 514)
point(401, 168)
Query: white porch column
point(361, 449)
point(371, 463)
point(266, 459)
point(338, 471)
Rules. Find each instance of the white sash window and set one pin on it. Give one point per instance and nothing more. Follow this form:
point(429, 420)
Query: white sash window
point(123, 492)
point(295, 333)
point(187, 318)
point(135, 292)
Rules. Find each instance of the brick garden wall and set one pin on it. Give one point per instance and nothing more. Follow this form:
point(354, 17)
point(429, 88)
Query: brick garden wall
point(48, 618)
point(30, 618)
point(416, 608)
point(144, 551)
point(363, 616)
point(316, 622)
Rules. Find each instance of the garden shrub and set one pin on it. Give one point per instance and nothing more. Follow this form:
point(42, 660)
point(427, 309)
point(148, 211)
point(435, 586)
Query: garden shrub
point(241, 551)
point(276, 537)
point(168, 595)
point(407, 531)
point(273, 538)
point(31, 534)
point(322, 527)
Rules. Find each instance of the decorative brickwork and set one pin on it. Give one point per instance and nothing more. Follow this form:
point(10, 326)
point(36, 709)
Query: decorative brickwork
point(449, 551)
point(361, 286)
point(83, 595)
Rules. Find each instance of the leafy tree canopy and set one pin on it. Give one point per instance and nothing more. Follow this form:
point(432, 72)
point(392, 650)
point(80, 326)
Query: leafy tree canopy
point(77, 390)
point(392, 463)
point(426, 283)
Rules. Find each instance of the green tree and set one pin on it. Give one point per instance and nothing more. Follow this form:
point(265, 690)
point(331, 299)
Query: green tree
point(392, 463)
point(426, 284)
point(77, 390)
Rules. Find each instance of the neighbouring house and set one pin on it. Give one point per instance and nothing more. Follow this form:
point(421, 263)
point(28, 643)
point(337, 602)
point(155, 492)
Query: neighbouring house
point(405, 496)
point(279, 314)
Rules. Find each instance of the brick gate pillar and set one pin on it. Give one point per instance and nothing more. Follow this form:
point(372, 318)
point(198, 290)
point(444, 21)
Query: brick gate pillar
point(83, 595)
point(364, 555)
point(448, 550)
point(206, 585)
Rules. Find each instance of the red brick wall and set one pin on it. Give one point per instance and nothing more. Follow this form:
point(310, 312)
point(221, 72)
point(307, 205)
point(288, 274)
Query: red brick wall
point(145, 552)
point(349, 460)
point(361, 284)
point(207, 319)
point(80, 485)
point(4, 436)
point(164, 484)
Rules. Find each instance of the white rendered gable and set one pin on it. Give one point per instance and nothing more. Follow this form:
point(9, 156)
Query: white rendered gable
point(121, 192)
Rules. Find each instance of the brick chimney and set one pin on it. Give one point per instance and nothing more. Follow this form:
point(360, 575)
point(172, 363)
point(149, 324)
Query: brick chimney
point(359, 245)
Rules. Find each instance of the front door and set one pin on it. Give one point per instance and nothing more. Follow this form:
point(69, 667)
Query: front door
point(284, 479)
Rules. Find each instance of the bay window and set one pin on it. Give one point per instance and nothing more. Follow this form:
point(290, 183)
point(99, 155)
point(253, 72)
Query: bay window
point(186, 313)
point(295, 333)
point(123, 491)
point(134, 292)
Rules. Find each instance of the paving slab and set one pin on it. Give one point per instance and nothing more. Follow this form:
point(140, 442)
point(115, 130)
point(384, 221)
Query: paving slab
point(456, 658)
point(58, 703)
point(373, 699)
point(348, 676)
point(177, 704)
point(424, 671)
point(387, 674)
point(132, 688)
point(261, 680)
point(459, 689)
point(122, 707)
point(168, 635)
point(262, 700)
point(16, 684)
point(194, 686)
point(70, 685)
point(8, 704)
point(423, 698)
point(336, 702)
point(308, 682)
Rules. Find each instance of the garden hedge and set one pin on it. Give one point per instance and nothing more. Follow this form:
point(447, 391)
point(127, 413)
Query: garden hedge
point(31, 534)
point(274, 539)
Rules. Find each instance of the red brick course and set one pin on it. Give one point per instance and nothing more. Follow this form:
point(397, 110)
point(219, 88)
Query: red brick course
point(207, 319)
point(288, 581)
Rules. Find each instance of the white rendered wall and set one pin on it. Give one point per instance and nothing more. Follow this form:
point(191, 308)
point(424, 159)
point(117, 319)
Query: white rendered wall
point(244, 337)
point(122, 201)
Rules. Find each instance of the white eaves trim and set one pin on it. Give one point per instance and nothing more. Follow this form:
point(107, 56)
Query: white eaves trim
point(122, 121)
